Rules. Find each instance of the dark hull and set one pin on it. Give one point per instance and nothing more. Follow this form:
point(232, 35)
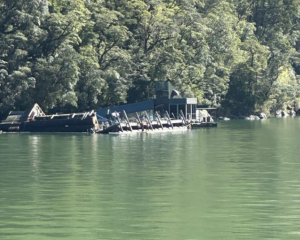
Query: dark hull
point(7, 127)
point(54, 125)
point(204, 125)
point(59, 125)
point(35, 120)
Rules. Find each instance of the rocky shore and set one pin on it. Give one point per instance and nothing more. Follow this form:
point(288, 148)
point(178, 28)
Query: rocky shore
point(290, 112)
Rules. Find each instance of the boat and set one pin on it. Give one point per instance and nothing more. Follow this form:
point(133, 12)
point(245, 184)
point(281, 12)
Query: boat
point(195, 125)
point(203, 118)
point(35, 120)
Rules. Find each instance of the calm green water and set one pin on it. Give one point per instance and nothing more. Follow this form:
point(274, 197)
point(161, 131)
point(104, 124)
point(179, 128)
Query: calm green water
point(238, 181)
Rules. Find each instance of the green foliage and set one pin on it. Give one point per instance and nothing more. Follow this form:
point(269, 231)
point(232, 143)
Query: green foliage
point(88, 54)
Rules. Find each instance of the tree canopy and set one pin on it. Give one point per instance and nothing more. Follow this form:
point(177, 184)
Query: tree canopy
point(76, 55)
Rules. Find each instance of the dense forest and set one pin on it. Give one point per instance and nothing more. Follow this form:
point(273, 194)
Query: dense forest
point(76, 55)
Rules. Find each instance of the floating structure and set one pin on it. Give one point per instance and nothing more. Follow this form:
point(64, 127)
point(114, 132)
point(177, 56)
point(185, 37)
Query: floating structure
point(168, 103)
point(144, 126)
point(35, 120)
point(167, 99)
point(169, 111)
point(203, 118)
point(195, 125)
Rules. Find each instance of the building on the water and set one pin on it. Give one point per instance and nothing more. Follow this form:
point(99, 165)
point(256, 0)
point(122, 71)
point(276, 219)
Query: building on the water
point(168, 104)
point(168, 111)
point(167, 99)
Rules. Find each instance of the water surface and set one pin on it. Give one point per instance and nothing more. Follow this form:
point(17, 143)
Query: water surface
point(238, 181)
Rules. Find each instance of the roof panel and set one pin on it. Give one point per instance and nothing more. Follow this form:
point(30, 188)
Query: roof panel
point(129, 108)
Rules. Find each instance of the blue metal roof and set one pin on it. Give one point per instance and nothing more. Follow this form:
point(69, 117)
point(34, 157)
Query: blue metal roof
point(129, 108)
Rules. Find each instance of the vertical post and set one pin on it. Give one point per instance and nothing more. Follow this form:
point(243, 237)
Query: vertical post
point(216, 115)
point(127, 120)
point(158, 119)
point(183, 117)
point(149, 121)
point(138, 118)
point(120, 124)
point(170, 121)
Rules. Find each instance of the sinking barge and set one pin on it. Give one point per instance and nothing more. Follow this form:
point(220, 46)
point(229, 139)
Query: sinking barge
point(35, 120)
point(167, 102)
point(118, 125)
point(145, 127)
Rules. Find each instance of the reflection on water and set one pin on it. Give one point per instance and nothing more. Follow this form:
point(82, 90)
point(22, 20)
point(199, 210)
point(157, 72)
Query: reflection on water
point(239, 181)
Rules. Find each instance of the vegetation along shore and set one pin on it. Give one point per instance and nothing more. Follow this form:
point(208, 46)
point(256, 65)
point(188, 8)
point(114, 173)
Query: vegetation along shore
point(77, 55)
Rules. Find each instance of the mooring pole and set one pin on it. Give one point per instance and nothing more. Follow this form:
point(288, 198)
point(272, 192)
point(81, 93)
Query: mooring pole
point(139, 123)
point(183, 117)
point(120, 124)
point(149, 121)
point(138, 118)
point(158, 119)
point(127, 120)
point(170, 121)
